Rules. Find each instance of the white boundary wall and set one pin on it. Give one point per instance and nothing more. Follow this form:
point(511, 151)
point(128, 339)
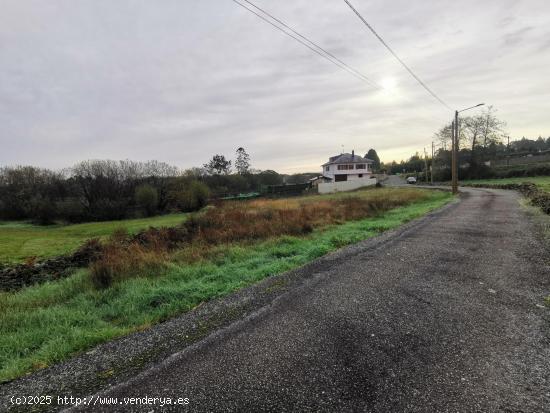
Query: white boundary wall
point(331, 187)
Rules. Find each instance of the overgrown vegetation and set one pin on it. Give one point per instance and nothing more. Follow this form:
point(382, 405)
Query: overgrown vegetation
point(240, 221)
point(46, 323)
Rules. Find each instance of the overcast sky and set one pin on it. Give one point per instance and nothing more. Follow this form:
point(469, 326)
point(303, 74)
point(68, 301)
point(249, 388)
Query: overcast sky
point(181, 80)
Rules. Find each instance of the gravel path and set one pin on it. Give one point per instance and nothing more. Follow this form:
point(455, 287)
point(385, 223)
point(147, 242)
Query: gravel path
point(446, 317)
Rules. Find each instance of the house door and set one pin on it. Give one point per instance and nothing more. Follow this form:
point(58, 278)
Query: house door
point(340, 178)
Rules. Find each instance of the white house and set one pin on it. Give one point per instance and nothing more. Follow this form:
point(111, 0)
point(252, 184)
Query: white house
point(347, 167)
point(345, 172)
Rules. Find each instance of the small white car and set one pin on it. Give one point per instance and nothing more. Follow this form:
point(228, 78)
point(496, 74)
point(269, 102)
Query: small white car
point(411, 180)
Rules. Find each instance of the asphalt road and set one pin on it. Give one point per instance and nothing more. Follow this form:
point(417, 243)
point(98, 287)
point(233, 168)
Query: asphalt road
point(446, 317)
point(394, 180)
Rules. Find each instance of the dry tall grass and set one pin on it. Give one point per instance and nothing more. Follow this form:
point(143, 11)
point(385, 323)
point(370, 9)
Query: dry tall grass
point(239, 221)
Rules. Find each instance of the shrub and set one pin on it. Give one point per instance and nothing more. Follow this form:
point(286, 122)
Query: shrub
point(146, 197)
point(88, 252)
point(537, 170)
point(189, 195)
point(121, 262)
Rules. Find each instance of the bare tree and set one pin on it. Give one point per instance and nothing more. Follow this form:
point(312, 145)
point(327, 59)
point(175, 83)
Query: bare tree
point(493, 130)
point(444, 136)
point(482, 130)
point(472, 126)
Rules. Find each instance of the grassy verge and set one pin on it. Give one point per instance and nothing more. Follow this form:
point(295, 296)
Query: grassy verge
point(543, 182)
point(22, 240)
point(542, 223)
point(47, 323)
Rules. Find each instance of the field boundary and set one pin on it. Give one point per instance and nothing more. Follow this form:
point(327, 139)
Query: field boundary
point(119, 360)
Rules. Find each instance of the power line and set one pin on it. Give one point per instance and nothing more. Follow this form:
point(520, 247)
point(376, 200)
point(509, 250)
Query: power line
point(321, 52)
point(312, 43)
point(396, 56)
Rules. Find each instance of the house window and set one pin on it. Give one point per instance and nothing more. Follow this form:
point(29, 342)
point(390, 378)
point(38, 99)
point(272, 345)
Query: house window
point(327, 168)
point(360, 166)
point(340, 178)
point(344, 167)
point(360, 175)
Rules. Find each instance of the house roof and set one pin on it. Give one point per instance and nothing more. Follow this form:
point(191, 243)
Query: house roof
point(347, 158)
point(321, 177)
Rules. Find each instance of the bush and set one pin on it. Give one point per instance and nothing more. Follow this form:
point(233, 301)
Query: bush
point(189, 195)
point(538, 170)
point(146, 197)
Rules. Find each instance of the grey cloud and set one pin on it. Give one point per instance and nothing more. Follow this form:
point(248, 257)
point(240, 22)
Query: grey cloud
point(181, 80)
point(517, 36)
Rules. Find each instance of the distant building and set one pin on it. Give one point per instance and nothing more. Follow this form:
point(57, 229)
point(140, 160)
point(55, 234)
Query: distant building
point(347, 167)
point(345, 172)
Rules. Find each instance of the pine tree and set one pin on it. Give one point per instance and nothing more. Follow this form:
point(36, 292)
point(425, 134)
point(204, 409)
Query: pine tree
point(371, 154)
point(218, 165)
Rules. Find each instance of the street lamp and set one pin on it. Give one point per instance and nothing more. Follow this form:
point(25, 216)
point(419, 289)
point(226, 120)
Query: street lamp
point(454, 166)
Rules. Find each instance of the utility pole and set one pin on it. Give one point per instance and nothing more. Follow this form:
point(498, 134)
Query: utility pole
point(454, 180)
point(508, 152)
point(433, 165)
point(426, 165)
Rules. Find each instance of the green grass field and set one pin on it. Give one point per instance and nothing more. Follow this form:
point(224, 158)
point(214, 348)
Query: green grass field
point(542, 182)
point(44, 324)
point(22, 240)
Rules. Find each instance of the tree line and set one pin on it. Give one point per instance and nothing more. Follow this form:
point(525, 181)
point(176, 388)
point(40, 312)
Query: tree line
point(482, 138)
point(98, 190)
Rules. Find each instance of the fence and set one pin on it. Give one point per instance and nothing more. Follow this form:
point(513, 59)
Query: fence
point(291, 189)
